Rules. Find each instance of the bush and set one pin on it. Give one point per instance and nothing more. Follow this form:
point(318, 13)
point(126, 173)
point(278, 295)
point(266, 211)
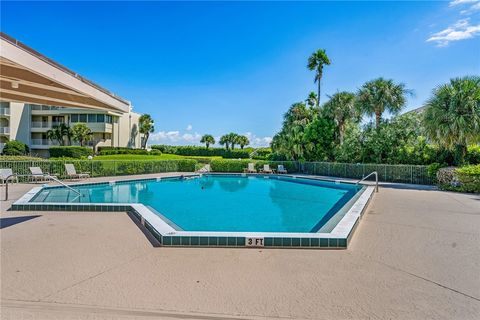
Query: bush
point(473, 154)
point(15, 148)
point(240, 165)
point(469, 178)
point(20, 158)
point(433, 169)
point(104, 151)
point(70, 152)
point(203, 152)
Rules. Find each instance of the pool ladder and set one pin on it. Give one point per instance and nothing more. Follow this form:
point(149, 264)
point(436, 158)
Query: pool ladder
point(370, 174)
point(36, 175)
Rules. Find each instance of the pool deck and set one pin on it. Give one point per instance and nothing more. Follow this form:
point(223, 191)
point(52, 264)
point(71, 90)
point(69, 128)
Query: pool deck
point(415, 255)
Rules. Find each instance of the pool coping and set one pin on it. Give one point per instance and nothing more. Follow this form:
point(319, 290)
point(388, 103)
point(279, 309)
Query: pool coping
point(338, 238)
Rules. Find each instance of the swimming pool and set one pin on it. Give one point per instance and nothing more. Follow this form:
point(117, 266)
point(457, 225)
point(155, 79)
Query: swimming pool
point(246, 207)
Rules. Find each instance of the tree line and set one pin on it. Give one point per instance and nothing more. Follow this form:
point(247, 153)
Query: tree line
point(333, 131)
point(228, 140)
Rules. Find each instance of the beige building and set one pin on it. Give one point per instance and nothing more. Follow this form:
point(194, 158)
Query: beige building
point(37, 94)
point(29, 123)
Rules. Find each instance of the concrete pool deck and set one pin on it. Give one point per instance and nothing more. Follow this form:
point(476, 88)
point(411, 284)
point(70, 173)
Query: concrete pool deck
point(415, 255)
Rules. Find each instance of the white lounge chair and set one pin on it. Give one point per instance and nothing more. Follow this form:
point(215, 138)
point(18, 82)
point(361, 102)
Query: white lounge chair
point(72, 173)
point(266, 169)
point(205, 168)
point(5, 175)
point(38, 174)
point(250, 168)
point(281, 169)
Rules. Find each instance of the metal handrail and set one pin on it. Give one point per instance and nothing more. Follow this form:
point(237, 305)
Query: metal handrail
point(37, 175)
point(376, 179)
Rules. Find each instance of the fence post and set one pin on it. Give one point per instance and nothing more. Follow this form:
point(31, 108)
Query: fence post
point(114, 167)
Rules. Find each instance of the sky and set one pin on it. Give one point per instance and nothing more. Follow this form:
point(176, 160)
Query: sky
point(219, 67)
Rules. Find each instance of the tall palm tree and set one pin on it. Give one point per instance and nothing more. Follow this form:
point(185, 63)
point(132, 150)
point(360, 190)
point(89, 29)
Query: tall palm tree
point(316, 61)
point(452, 115)
point(342, 108)
point(380, 95)
point(225, 140)
point(243, 141)
point(208, 139)
point(146, 126)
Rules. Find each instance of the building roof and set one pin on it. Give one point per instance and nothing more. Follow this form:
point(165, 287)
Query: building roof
point(29, 76)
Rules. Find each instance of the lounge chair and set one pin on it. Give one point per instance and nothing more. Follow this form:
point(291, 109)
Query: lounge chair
point(281, 169)
point(205, 168)
point(38, 174)
point(266, 169)
point(250, 168)
point(5, 175)
point(72, 173)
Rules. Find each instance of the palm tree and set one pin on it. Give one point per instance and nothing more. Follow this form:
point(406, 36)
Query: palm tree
point(312, 99)
point(225, 140)
point(243, 141)
point(315, 63)
point(81, 133)
point(208, 139)
point(146, 126)
point(233, 138)
point(452, 115)
point(380, 95)
point(342, 108)
point(58, 133)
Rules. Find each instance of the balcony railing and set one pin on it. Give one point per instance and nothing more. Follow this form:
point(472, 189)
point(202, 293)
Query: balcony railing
point(4, 111)
point(5, 130)
point(44, 142)
point(44, 108)
point(46, 125)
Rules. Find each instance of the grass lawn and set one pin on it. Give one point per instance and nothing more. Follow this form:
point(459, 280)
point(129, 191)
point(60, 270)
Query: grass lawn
point(149, 157)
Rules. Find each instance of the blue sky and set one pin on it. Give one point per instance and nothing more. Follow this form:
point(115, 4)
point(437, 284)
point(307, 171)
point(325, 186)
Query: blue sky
point(217, 67)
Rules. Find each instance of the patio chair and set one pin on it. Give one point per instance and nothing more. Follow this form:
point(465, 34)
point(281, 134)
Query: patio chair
point(4, 175)
point(250, 168)
point(205, 168)
point(72, 173)
point(266, 169)
point(281, 169)
point(38, 174)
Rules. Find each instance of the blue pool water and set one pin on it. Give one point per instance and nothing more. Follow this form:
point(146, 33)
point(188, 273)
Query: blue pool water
point(223, 203)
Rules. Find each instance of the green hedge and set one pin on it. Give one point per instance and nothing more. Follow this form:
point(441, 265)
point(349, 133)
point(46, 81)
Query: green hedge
point(203, 152)
point(102, 168)
point(239, 165)
point(469, 178)
point(70, 152)
point(15, 148)
point(119, 150)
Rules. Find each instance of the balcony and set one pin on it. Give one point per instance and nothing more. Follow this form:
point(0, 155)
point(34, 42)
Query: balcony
point(43, 142)
point(4, 111)
point(4, 130)
point(44, 125)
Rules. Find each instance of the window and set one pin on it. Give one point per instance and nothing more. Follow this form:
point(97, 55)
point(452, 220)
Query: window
point(101, 118)
point(83, 117)
point(74, 118)
point(108, 119)
point(92, 118)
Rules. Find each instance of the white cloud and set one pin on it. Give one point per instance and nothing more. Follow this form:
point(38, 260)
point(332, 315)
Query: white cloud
point(461, 30)
point(472, 9)
point(189, 127)
point(459, 2)
point(186, 138)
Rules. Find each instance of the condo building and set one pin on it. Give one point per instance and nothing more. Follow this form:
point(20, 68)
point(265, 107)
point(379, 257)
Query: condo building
point(29, 123)
point(38, 94)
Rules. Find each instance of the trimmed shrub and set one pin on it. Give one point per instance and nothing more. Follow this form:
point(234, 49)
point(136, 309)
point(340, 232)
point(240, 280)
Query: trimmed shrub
point(203, 152)
point(15, 148)
point(447, 176)
point(70, 152)
point(104, 151)
point(473, 155)
point(240, 165)
point(469, 178)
